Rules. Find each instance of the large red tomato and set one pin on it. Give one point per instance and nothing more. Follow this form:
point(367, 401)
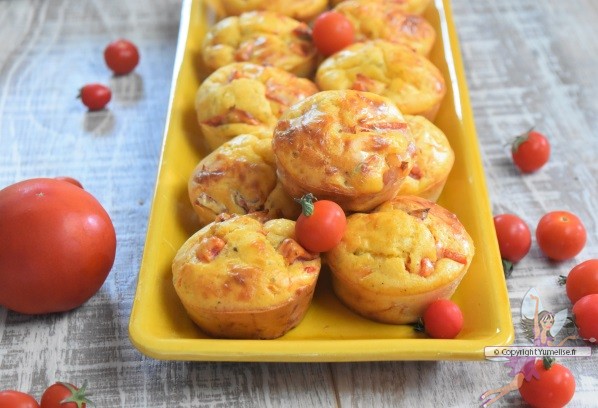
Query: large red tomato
point(58, 246)
point(17, 399)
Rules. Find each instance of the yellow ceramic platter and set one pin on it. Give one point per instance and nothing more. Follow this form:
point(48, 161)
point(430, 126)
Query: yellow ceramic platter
point(159, 326)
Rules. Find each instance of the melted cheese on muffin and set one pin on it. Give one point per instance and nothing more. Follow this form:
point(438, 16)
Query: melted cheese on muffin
point(304, 10)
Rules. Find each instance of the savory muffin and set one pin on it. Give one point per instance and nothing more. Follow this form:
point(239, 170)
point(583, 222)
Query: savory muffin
point(239, 177)
point(434, 159)
point(241, 277)
point(263, 38)
point(410, 80)
point(393, 262)
point(408, 6)
point(387, 20)
point(246, 98)
point(351, 147)
point(303, 10)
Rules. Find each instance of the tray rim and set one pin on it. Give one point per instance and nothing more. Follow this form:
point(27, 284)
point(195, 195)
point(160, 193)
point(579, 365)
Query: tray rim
point(327, 350)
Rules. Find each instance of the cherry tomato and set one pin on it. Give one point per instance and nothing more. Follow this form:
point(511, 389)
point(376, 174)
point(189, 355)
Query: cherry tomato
point(443, 319)
point(321, 225)
point(95, 96)
point(582, 280)
point(514, 237)
point(585, 315)
point(530, 151)
point(121, 56)
point(64, 395)
point(58, 246)
point(560, 235)
point(70, 180)
point(553, 389)
point(332, 32)
point(17, 399)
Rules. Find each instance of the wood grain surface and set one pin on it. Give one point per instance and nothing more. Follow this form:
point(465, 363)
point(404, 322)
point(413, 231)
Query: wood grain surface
point(528, 63)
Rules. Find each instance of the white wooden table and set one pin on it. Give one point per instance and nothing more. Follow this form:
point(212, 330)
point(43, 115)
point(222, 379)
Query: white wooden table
point(527, 62)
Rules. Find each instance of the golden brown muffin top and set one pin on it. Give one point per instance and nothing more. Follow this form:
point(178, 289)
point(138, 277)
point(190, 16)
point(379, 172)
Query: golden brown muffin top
point(434, 156)
point(244, 97)
point(300, 9)
point(389, 69)
point(241, 262)
point(344, 142)
point(239, 177)
point(409, 245)
point(387, 20)
point(261, 37)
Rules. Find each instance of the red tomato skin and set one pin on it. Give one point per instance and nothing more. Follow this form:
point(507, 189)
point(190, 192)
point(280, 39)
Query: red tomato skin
point(514, 237)
point(324, 229)
point(585, 312)
point(582, 280)
point(17, 399)
point(95, 96)
point(533, 153)
point(560, 235)
point(58, 246)
point(121, 56)
point(554, 389)
point(332, 32)
point(70, 180)
point(56, 393)
point(443, 319)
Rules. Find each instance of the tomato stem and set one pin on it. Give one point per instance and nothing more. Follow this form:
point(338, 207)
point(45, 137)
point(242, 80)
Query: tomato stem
point(78, 396)
point(307, 204)
point(562, 280)
point(548, 362)
point(507, 267)
point(520, 139)
point(419, 326)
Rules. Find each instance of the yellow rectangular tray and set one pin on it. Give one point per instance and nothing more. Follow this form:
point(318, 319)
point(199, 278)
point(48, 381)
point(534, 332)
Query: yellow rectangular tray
point(159, 326)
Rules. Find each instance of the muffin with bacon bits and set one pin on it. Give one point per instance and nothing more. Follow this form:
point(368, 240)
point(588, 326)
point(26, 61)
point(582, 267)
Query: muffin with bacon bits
point(353, 148)
point(387, 20)
point(408, 6)
point(304, 10)
point(434, 159)
point(263, 38)
point(393, 262)
point(244, 98)
point(410, 80)
point(239, 177)
point(246, 278)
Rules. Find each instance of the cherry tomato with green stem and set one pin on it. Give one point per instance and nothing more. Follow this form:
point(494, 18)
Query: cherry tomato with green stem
point(530, 151)
point(560, 235)
point(554, 388)
point(65, 395)
point(582, 280)
point(585, 316)
point(17, 399)
point(321, 224)
point(443, 319)
point(332, 32)
point(95, 96)
point(121, 56)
